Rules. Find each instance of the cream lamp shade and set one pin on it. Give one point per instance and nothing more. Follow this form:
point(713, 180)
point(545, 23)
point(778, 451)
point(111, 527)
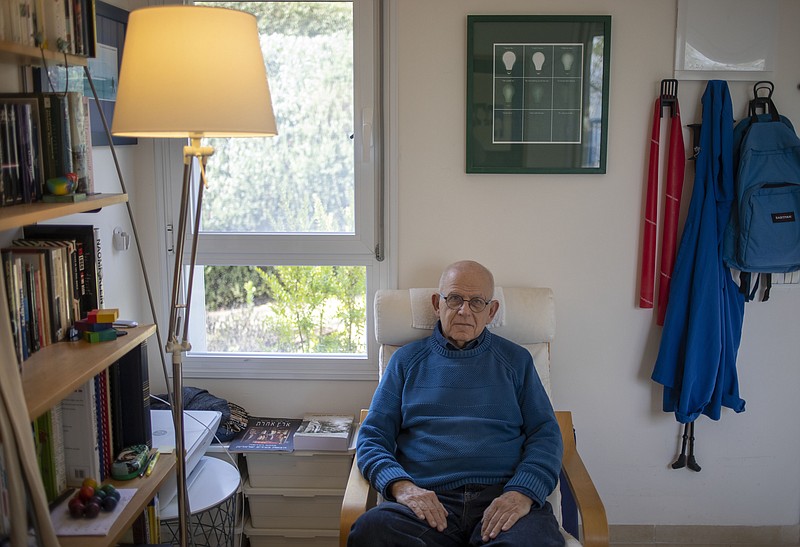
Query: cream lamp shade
point(191, 71)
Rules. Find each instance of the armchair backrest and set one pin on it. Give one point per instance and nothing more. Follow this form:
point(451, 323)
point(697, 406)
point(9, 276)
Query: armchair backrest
point(526, 316)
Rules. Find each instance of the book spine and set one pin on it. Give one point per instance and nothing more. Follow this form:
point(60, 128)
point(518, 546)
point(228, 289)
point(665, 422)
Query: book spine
point(130, 399)
point(31, 314)
point(98, 264)
point(27, 162)
point(79, 426)
point(22, 306)
point(10, 162)
point(55, 23)
point(57, 439)
point(43, 438)
point(78, 138)
point(11, 299)
point(87, 138)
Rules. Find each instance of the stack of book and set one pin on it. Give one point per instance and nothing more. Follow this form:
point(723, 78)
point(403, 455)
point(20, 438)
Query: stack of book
point(324, 432)
point(43, 136)
point(53, 276)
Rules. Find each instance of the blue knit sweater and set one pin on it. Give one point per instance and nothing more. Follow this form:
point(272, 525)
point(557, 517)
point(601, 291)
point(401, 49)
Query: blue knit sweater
point(443, 418)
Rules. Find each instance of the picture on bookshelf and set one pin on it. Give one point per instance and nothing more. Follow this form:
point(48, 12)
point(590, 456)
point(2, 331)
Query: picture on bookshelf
point(112, 23)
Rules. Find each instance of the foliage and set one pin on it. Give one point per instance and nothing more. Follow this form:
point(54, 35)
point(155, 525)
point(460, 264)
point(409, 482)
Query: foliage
point(311, 309)
point(303, 179)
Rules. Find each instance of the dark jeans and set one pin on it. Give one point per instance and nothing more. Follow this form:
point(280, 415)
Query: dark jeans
point(391, 524)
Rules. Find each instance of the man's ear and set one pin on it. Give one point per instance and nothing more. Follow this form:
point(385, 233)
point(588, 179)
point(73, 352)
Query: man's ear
point(494, 306)
point(435, 300)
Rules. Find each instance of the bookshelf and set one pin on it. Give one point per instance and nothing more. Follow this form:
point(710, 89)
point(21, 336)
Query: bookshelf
point(26, 55)
point(55, 371)
point(16, 216)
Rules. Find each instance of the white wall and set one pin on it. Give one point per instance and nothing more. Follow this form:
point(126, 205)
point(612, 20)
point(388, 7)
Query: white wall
point(579, 235)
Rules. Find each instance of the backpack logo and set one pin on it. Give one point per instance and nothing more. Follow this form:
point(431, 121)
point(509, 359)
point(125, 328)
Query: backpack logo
point(783, 217)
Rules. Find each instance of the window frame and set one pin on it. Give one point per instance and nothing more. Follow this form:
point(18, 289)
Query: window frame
point(357, 249)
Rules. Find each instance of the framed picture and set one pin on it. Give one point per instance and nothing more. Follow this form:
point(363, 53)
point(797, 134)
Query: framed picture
point(112, 23)
point(537, 93)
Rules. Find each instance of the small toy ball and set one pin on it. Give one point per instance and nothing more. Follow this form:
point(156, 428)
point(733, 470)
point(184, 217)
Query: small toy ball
point(61, 186)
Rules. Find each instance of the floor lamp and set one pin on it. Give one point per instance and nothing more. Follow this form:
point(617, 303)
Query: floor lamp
point(190, 72)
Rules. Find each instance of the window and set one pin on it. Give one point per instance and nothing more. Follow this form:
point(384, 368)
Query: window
point(286, 264)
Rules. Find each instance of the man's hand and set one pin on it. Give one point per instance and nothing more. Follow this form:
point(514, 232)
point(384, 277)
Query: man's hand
point(423, 502)
point(503, 513)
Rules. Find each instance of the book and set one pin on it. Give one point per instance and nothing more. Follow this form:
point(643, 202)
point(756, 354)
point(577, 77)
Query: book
point(48, 452)
point(44, 304)
point(28, 116)
point(9, 166)
point(79, 427)
point(59, 273)
point(130, 399)
point(84, 237)
point(324, 432)
point(266, 435)
point(11, 266)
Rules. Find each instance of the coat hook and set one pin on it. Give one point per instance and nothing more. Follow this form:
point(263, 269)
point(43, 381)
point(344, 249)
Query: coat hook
point(669, 97)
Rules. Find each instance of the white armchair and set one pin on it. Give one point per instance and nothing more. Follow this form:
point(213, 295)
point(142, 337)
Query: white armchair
point(527, 317)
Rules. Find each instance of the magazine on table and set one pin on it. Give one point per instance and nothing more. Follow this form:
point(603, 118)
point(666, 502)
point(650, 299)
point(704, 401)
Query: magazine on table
point(266, 435)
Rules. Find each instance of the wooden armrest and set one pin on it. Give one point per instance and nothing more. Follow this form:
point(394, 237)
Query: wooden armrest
point(590, 506)
point(358, 497)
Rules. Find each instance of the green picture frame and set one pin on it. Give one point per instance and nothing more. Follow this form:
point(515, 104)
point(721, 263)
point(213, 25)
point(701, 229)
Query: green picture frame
point(537, 93)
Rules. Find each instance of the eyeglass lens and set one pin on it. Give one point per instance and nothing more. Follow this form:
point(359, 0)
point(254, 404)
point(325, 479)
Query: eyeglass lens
point(455, 301)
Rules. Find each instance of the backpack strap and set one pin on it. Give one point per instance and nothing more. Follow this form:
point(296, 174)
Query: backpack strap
point(767, 286)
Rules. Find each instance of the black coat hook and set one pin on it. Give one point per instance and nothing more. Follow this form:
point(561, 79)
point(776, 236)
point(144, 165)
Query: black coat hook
point(669, 97)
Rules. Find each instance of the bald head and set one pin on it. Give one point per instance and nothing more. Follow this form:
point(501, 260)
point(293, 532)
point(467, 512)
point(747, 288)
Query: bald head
point(474, 272)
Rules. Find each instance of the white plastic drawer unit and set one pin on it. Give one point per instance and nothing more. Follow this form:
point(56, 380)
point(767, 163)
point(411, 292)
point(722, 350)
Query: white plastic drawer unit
point(295, 508)
point(298, 469)
point(265, 537)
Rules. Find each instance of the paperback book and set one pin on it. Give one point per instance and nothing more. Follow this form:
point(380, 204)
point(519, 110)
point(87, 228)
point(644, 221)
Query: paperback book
point(324, 432)
point(266, 435)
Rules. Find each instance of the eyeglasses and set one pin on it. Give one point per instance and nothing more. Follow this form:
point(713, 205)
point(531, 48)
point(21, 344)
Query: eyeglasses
point(455, 301)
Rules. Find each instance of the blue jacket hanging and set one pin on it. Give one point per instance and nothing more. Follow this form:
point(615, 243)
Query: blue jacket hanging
point(696, 360)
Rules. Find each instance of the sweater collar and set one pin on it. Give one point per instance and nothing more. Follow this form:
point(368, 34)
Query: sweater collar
point(446, 344)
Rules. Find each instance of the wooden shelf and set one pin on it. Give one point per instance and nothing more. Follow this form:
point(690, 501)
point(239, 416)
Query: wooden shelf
point(15, 216)
point(146, 489)
point(57, 370)
point(32, 55)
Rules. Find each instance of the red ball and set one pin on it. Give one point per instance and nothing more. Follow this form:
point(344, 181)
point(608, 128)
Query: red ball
point(76, 508)
point(86, 493)
point(92, 510)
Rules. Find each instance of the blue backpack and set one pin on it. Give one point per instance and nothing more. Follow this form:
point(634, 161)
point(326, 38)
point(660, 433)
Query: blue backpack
point(763, 233)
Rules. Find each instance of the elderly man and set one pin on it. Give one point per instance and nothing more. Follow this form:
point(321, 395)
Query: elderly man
point(461, 438)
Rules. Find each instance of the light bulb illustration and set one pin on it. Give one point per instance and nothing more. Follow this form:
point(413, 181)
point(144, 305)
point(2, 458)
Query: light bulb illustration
point(567, 59)
point(508, 93)
point(538, 60)
point(538, 94)
point(509, 58)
